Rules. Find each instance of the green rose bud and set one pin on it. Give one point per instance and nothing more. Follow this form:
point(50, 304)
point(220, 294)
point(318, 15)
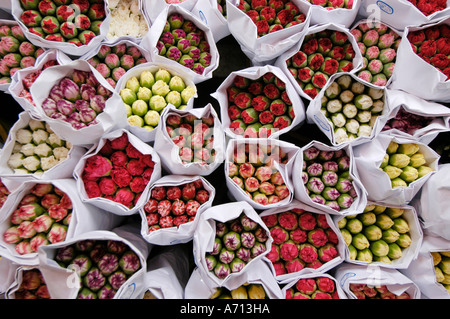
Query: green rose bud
point(378, 209)
point(392, 148)
point(360, 241)
point(163, 75)
point(409, 174)
point(128, 110)
point(398, 182)
point(394, 212)
point(132, 84)
point(395, 252)
point(392, 171)
point(157, 103)
point(424, 170)
point(379, 248)
point(445, 265)
point(369, 208)
point(174, 98)
point(353, 252)
point(404, 241)
point(382, 259)
point(390, 235)
point(385, 161)
point(187, 94)
point(417, 160)
point(152, 118)
point(160, 88)
point(147, 79)
point(384, 221)
point(135, 120)
point(176, 83)
point(368, 218)
point(439, 274)
point(347, 236)
point(373, 232)
point(400, 225)
point(408, 149)
point(144, 93)
point(365, 255)
point(399, 160)
point(354, 226)
point(139, 107)
point(128, 96)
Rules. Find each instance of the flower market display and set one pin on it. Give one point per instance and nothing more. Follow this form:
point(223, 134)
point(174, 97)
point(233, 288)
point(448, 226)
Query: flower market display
point(224, 150)
point(16, 52)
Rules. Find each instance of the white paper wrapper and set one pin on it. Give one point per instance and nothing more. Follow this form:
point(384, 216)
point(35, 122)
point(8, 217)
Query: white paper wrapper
point(400, 14)
point(63, 283)
point(169, 152)
point(201, 287)
point(168, 273)
point(84, 217)
point(341, 16)
point(413, 75)
point(151, 39)
point(236, 192)
point(205, 234)
point(359, 202)
point(340, 294)
point(61, 170)
point(409, 253)
point(112, 117)
point(68, 48)
point(207, 11)
point(174, 69)
point(7, 271)
point(133, 28)
point(375, 276)
point(268, 47)
point(340, 246)
point(438, 114)
point(185, 232)
point(154, 7)
point(104, 203)
point(17, 86)
point(254, 73)
point(432, 203)
point(281, 59)
point(368, 158)
point(314, 114)
point(421, 270)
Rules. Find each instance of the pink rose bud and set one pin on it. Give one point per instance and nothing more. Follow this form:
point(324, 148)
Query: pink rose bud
point(57, 233)
point(26, 229)
point(87, 115)
point(42, 223)
point(57, 212)
point(49, 107)
point(49, 200)
point(263, 173)
point(98, 103)
point(38, 240)
point(12, 235)
point(70, 89)
point(65, 107)
point(30, 211)
point(24, 248)
point(87, 91)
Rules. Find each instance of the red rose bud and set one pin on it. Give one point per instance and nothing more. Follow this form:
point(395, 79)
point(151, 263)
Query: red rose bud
point(192, 207)
point(260, 103)
point(298, 235)
point(282, 122)
point(243, 100)
point(202, 196)
point(288, 251)
point(31, 18)
point(279, 234)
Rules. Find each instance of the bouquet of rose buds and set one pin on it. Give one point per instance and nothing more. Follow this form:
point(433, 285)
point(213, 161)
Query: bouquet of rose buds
point(247, 291)
point(341, 12)
point(227, 238)
point(332, 4)
point(112, 61)
point(32, 286)
point(329, 179)
point(119, 170)
point(349, 110)
point(365, 282)
point(381, 234)
point(378, 44)
point(41, 217)
point(429, 7)
point(190, 142)
point(303, 238)
point(258, 171)
point(258, 102)
point(102, 265)
point(16, 52)
point(147, 90)
point(441, 262)
point(182, 41)
point(173, 205)
point(324, 51)
point(128, 19)
point(73, 21)
point(313, 287)
point(4, 192)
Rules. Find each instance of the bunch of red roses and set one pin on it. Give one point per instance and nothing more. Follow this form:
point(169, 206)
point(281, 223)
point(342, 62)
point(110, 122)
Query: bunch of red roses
point(432, 44)
point(119, 172)
point(321, 55)
point(272, 15)
point(428, 7)
point(313, 288)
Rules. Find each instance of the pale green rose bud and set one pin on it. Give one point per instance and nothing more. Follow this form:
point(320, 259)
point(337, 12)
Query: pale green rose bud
point(163, 75)
point(398, 182)
point(408, 149)
point(399, 160)
point(382, 259)
point(347, 236)
point(395, 252)
point(160, 88)
point(360, 241)
point(341, 223)
point(417, 160)
point(384, 221)
point(436, 257)
point(148, 128)
point(187, 94)
point(400, 225)
point(394, 212)
point(368, 218)
point(333, 90)
point(392, 147)
point(409, 174)
point(135, 120)
point(157, 103)
point(404, 241)
point(363, 102)
point(132, 84)
point(353, 252)
point(139, 107)
point(379, 248)
point(392, 171)
point(128, 96)
point(344, 81)
point(369, 208)
point(176, 83)
point(174, 98)
point(128, 110)
point(365, 255)
point(144, 93)
point(147, 79)
point(424, 170)
point(378, 209)
point(439, 274)
point(445, 265)
point(390, 235)
point(354, 226)
point(385, 161)
point(373, 232)
point(152, 118)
